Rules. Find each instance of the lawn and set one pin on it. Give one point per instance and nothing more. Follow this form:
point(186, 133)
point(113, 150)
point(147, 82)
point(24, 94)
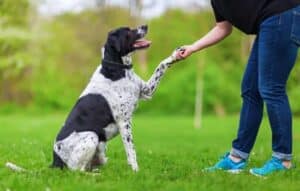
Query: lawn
point(171, 154)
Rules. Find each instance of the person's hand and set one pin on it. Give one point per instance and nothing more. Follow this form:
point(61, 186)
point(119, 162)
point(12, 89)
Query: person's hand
point(184, 52)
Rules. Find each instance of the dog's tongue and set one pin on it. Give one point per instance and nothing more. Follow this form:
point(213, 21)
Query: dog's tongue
point(142, 43)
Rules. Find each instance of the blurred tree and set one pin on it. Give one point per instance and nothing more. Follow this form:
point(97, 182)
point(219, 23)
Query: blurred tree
point(199, 92)
point(47, 62)
point(15, 38)
point(100, 3)
point(246, 45)
point(136, 9)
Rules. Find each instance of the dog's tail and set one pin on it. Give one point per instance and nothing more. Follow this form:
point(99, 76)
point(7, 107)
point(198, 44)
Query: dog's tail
point(57, 163)
point(14, 167)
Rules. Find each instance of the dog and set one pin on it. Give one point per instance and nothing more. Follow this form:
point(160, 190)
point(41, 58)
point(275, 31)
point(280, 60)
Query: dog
point(105, 107)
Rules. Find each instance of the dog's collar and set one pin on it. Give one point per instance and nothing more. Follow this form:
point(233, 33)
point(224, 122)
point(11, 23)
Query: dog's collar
point(112, 64)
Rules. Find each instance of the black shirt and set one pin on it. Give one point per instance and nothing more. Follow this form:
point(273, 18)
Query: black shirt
point(247, 15)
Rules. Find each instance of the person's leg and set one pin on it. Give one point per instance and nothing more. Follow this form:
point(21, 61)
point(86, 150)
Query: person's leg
point(251, 115)
point(277, 56)
point(276, 60)
point(252, 108)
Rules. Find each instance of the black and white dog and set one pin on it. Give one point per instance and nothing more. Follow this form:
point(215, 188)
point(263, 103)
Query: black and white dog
point(105, 107)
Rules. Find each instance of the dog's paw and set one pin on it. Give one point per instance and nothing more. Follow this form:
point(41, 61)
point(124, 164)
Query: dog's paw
point(173, 58)
point(135, 168)
point(99, 161)
point(103, 160)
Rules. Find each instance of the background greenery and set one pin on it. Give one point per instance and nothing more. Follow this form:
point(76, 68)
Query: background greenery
point(46, 62)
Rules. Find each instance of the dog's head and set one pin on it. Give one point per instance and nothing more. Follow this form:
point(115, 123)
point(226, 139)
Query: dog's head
point(125, 40)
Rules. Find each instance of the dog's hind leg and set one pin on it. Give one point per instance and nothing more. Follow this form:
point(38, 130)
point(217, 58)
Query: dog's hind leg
point(101, 153)
point(100, 156)
point(83, 152)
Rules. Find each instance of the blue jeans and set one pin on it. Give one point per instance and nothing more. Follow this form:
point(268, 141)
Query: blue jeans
point(271, 61)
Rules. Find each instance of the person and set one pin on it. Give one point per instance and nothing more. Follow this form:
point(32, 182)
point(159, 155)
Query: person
point(276, 24)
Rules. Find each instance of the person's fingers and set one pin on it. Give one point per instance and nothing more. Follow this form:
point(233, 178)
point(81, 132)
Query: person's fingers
point(181, 51)
point(184, 53)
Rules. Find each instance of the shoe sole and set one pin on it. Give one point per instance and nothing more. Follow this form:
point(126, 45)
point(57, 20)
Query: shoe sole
point(237, 171)
point(257, 175)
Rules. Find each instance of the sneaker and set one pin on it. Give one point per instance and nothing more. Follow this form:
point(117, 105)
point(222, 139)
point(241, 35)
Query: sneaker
point(269, 167)
point(228, 165)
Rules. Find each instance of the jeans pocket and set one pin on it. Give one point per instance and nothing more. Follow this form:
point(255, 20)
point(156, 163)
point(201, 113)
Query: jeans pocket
point(295, 33)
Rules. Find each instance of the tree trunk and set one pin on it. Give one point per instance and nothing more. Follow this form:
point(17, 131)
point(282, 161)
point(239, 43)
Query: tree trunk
point(199, 92)
point(136, 8)
point(246, 45)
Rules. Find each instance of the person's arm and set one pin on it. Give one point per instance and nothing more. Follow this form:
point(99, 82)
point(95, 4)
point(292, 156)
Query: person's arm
point(217, 34)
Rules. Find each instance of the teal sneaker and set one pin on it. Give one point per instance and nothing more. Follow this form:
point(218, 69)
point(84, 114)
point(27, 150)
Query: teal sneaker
point(228, 165)
point(269, 167)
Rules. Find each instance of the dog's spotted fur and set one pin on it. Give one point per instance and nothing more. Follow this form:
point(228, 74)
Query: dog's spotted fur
point(122, 96)
point(82, 150)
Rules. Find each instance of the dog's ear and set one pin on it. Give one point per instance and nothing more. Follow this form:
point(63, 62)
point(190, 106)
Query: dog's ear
point(115, 42)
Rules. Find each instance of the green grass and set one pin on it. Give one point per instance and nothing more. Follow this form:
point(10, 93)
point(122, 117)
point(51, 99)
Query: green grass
point(171, 154)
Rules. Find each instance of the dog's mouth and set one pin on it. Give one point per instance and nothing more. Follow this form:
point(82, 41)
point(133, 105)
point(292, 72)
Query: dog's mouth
point(141, 44)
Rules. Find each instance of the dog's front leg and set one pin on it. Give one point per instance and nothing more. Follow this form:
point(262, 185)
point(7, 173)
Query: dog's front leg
point(149, 87)
point(127, 139)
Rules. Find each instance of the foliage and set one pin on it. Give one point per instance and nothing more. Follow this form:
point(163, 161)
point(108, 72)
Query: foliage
point(15, 60)
point(45, 63)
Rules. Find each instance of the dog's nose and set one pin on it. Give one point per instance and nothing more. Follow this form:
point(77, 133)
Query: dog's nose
point(144, 28)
